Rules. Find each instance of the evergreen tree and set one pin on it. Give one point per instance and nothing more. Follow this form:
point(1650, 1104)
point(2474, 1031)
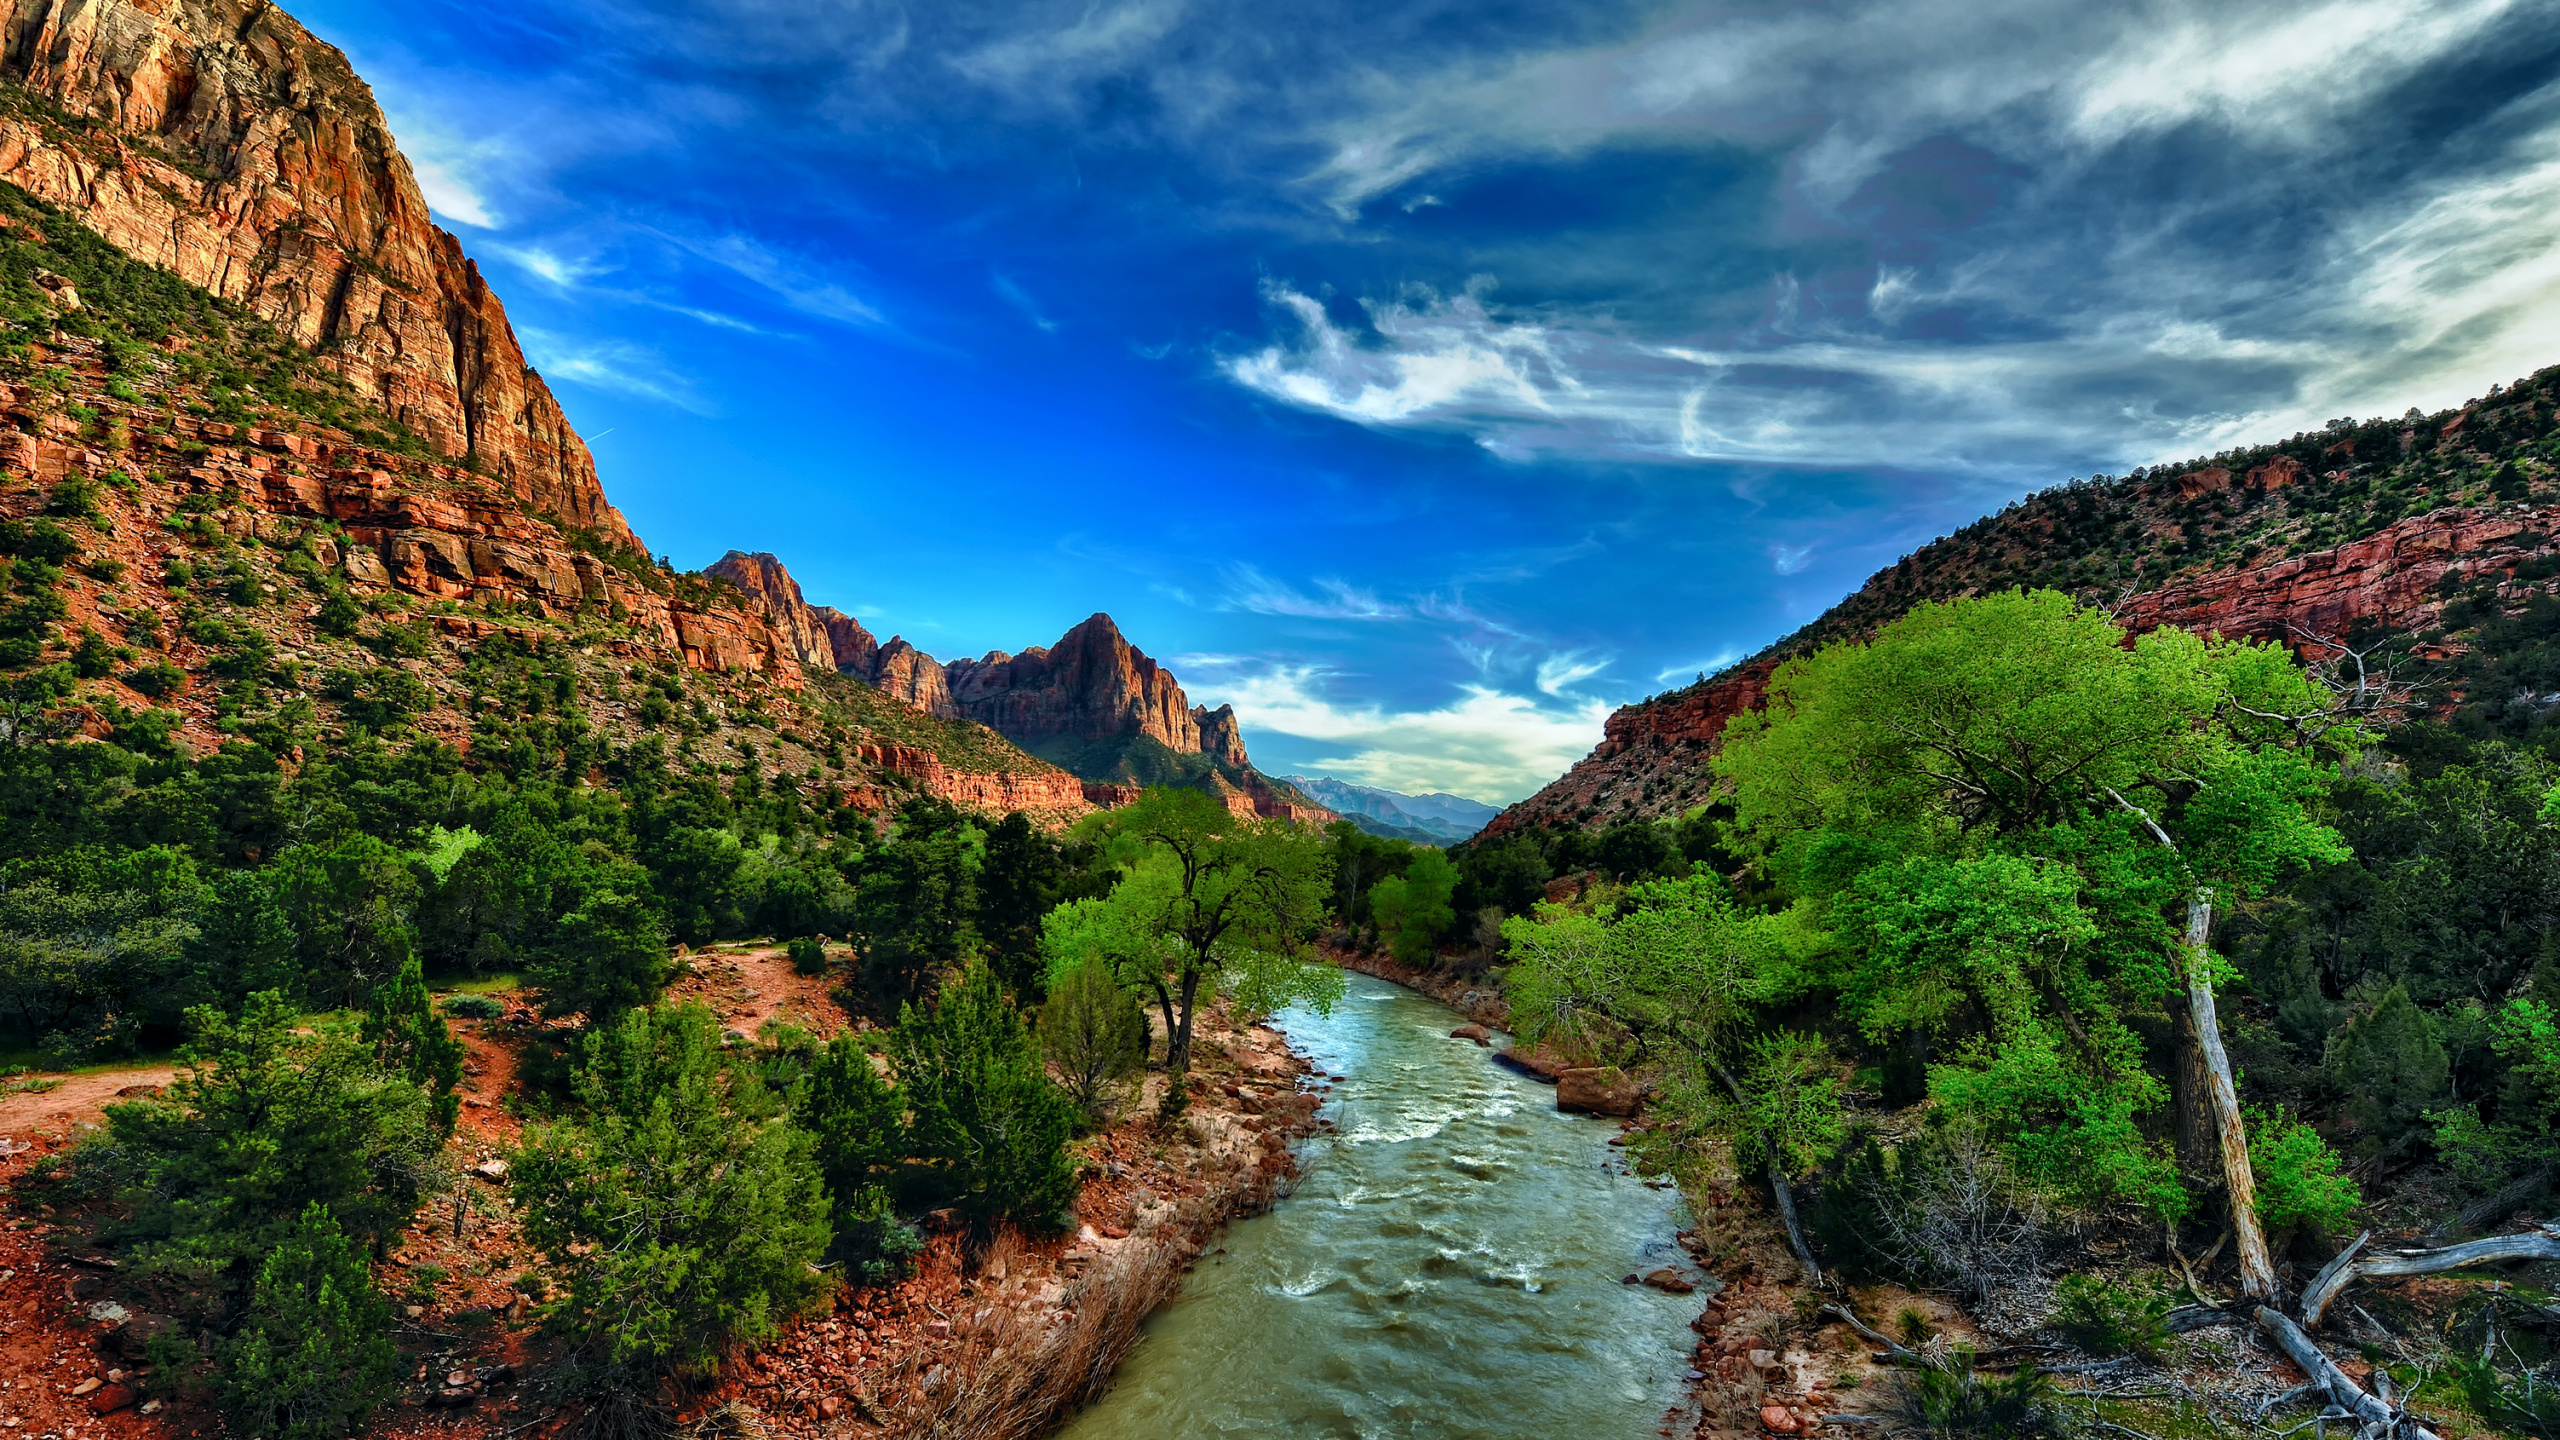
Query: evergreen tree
point(2393, 1070)
point(857, 1120)
point(914, 915)
point(313, 1357)
point(408, 1037)
point(244, 942)
point(682, 1212)
point(266, 1122)
point(983, 1104)
point(1015, 888)
point(1094, 1031)
point(606, 957)
point(350, 902)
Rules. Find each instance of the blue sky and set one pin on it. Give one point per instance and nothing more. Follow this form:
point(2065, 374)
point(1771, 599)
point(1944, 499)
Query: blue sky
point(1428, 379)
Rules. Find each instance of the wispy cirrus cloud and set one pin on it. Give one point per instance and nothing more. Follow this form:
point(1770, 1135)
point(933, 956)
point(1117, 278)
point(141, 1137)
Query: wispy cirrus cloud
point(1249, 589)
point(615, 366)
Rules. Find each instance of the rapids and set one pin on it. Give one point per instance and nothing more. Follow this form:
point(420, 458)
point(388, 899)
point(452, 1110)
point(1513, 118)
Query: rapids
point(1449, 1265)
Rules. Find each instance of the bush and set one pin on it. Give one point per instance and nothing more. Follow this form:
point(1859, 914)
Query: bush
point(2108, 1319)
point(473, 1007)
point(157, 679)
point(607, 956)
point(808, 956)
point(1094, 1032)
point(1946, 1400)
point(982, 1103)
point(2297, 1174)
point(2393, 1070)
point(313, 1357)
point(682, 1213)
point(222, 1165)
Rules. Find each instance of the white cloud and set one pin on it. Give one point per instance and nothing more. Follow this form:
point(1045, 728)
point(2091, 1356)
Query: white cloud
point(1558, 674)
point(1790, 559)
point(452, 196)
point(1486, 743)
point(1248, 589)
point(787, 279)
point(610, 365)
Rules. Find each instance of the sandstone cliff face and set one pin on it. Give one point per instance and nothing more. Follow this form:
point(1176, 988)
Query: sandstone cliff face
point(221, 140)
point(1092, 685)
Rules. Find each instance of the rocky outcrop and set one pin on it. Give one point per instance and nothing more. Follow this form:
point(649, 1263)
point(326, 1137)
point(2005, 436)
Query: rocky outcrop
point(1042, 791)
point(222, 141)
point(1652, 759)
point(1092, 685)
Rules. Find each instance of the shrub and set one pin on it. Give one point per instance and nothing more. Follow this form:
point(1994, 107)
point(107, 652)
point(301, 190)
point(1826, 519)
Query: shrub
point(1946, 1400)
point(607, 956)
point(2108, 1319)
point(982, 1103)
point(378, 696)
point(2297, 1174)
point(222, 1165)
point(1094, 1032)
point(338, 613)
point(808, 956)
point(682, 1213)
point(2393, 1070)
point(856, 1118)
point(313, 1357)
point(473, 1007)
point(157, 679)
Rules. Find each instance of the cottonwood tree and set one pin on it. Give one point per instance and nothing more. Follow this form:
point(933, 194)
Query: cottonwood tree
point(1206, 897)
point(2118, 785)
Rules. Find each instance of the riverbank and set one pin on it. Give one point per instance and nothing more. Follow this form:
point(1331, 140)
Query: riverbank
point(994, 1346)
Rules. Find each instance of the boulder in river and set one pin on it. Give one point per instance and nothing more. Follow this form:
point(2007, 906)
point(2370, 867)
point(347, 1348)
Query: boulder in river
point(1597, 1090)
point(1668, 1281)
point(1477, 1033)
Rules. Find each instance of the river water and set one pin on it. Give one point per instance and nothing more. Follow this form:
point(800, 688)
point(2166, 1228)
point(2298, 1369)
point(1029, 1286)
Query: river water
point(1449, 1266)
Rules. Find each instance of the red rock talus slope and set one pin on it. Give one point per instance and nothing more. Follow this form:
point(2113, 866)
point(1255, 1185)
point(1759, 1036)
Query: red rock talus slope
point(219, 139)
point(2299, 541)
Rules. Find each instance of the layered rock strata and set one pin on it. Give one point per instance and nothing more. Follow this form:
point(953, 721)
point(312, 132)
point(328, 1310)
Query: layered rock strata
point(221, 140)
point(1652, 758)
point(1092, 685)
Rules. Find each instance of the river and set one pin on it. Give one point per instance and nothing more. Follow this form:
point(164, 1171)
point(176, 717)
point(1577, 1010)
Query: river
point(1449, 1266)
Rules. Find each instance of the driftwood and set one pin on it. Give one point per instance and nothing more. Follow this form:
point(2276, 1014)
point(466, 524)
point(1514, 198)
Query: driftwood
point(2338, 1274)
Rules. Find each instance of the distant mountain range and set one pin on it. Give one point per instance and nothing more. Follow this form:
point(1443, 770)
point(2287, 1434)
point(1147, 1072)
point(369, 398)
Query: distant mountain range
point(1434, 819)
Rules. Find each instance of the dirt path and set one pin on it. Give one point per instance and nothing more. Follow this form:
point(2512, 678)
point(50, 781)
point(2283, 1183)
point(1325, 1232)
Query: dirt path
point(78, 1099)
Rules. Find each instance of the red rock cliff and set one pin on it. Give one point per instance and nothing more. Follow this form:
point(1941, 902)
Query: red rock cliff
point(221, 140)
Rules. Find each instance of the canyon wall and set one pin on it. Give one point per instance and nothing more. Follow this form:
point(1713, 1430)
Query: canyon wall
point(222, 141)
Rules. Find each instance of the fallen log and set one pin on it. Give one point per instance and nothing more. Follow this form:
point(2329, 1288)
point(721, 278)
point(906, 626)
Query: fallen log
point(2338, 1274)
point(2378, 1415)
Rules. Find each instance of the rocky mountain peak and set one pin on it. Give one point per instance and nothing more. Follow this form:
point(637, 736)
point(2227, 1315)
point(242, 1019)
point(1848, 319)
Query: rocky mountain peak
point(221, 140)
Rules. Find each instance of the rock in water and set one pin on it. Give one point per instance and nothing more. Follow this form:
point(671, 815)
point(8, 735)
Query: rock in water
point(1597, 1090)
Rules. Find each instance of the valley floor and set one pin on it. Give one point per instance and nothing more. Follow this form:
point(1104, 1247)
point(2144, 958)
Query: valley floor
point(992, 1348)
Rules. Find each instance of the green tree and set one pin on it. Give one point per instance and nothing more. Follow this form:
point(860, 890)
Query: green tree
point(245, 941)
point(2393, 1070)
point(859, 1124)
point(2161, 770)
point(1016, 885)
point(350, 902)
point(913, 916)
point(265, 1122)
point(312, 1358)
point(1222, 898)
point(1094, 1031)
point(982, 1103)
point(604, 958)
point(1413, 908)
point(683, 1214)
point(409, 1038)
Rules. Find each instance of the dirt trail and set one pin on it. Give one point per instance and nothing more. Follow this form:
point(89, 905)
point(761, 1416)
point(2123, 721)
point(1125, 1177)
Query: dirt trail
point(79, 1099)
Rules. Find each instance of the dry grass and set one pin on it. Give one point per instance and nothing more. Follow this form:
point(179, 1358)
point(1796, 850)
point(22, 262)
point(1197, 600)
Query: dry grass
point(1015, 1376)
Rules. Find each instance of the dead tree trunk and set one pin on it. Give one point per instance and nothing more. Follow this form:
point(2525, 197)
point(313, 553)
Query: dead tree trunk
point(2257, 1271)
point(2375, 1414)
point(2338, 1274)
point(1779, 1189)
